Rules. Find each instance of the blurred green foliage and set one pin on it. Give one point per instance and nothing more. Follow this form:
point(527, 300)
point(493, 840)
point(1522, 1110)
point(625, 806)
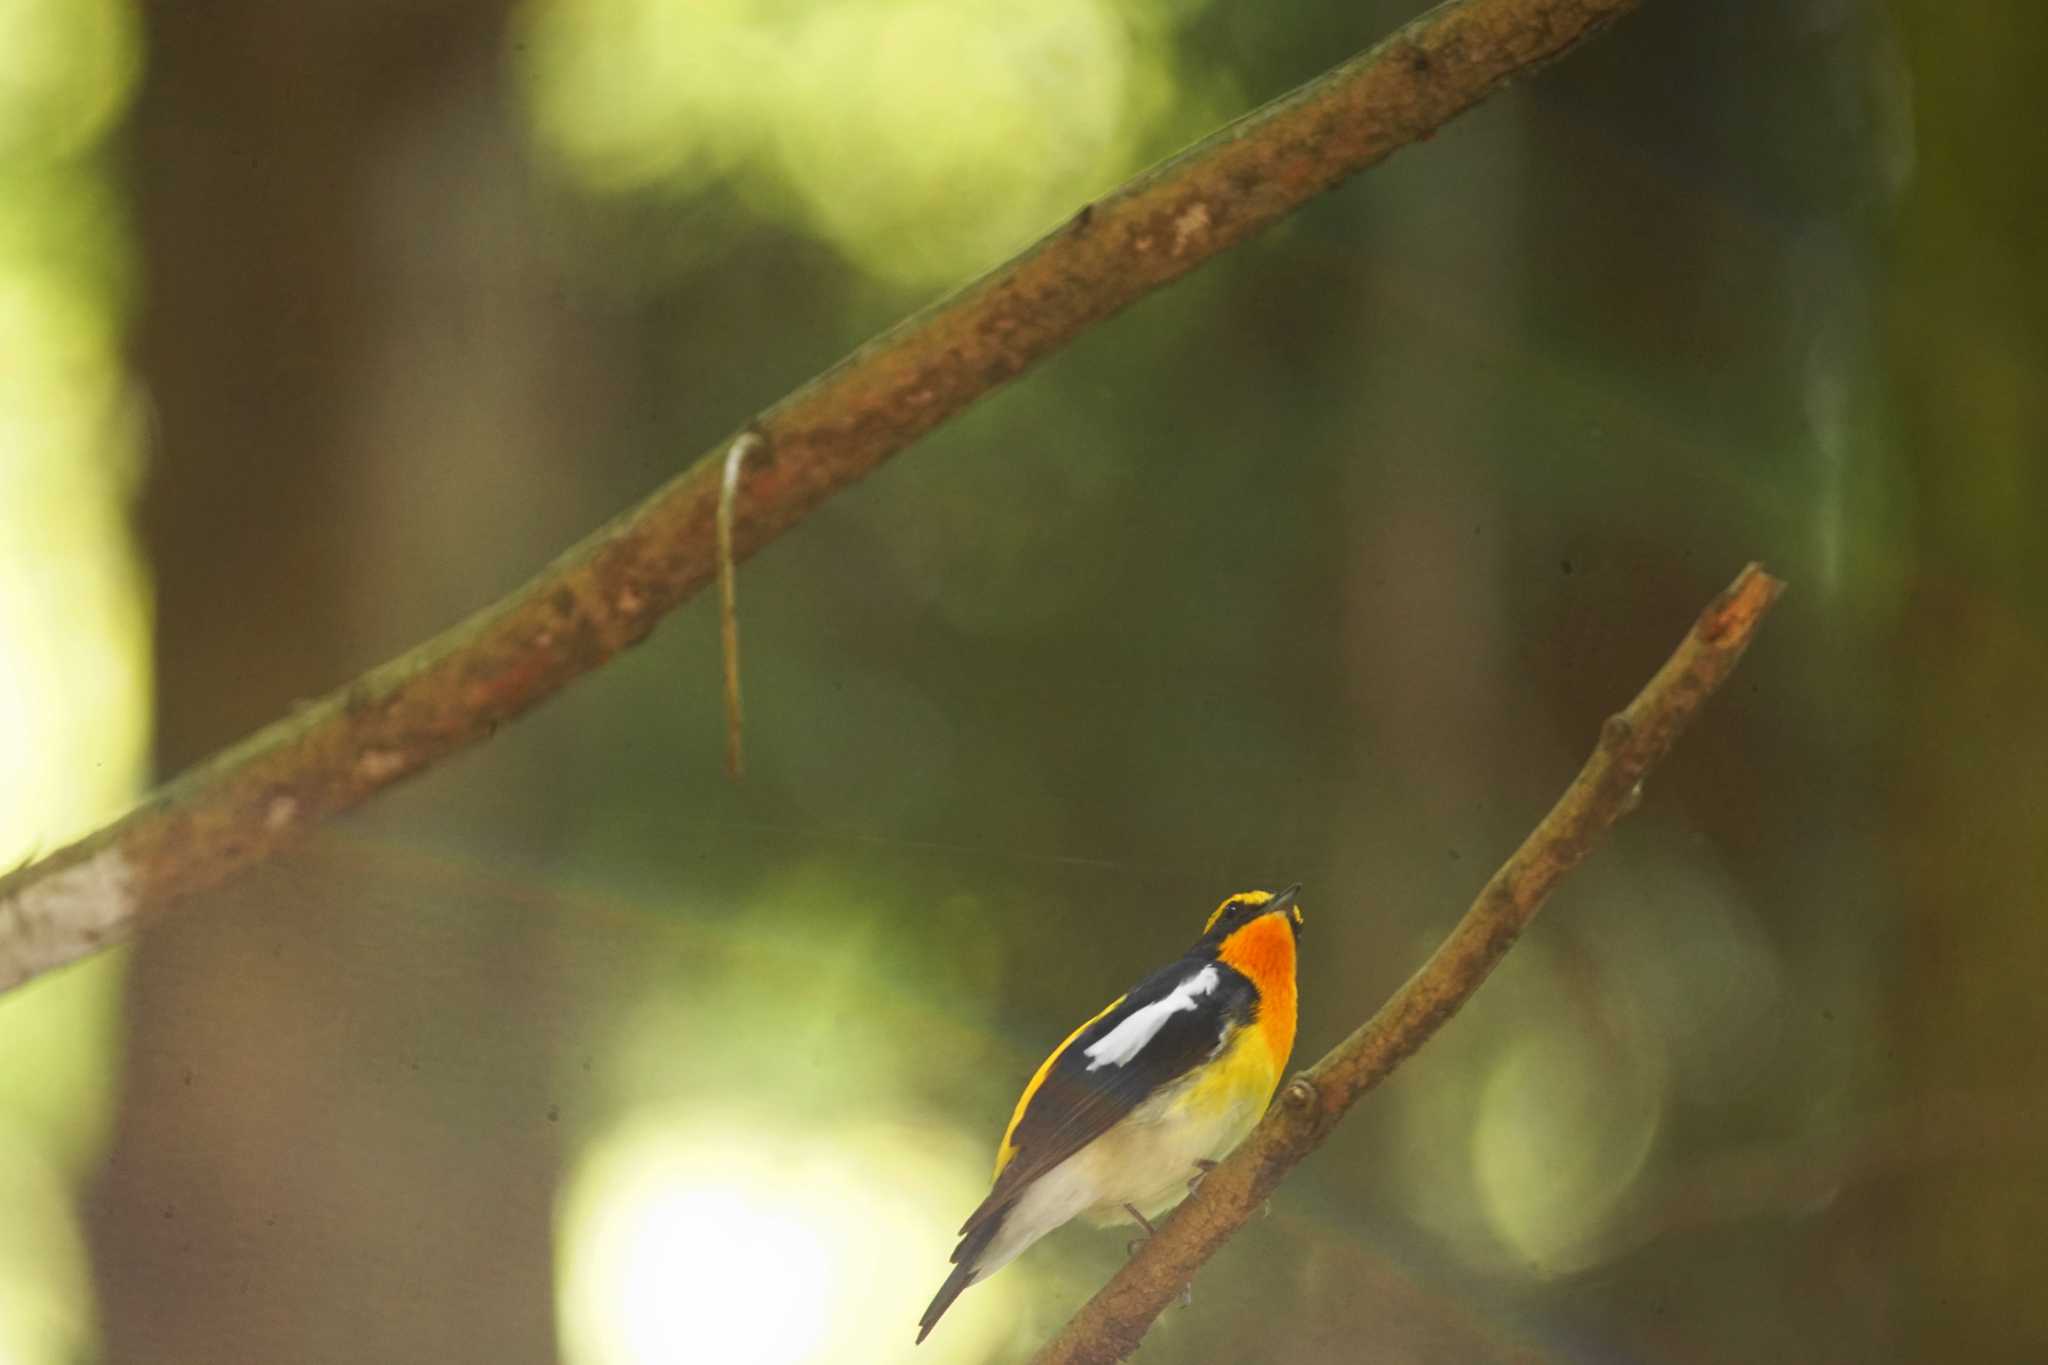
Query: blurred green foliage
point(923, 139)
point(1323, 565)
point(74, 669)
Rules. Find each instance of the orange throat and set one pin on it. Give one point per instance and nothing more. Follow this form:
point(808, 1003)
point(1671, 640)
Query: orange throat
point(1264, 951)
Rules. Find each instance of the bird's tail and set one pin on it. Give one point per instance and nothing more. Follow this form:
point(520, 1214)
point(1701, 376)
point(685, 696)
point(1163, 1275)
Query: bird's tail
point(965, 1268)
point(962, 1276)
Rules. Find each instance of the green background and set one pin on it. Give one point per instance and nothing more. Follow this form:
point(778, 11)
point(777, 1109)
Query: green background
point(322, 324)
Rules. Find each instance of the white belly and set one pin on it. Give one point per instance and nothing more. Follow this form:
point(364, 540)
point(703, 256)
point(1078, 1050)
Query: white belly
point(1149, 1157)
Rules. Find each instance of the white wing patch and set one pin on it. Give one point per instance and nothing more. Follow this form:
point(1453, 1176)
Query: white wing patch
point(1128, 1039)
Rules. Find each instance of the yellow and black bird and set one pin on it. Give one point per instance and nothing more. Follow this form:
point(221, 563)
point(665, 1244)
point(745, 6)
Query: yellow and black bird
point(1127, 1112)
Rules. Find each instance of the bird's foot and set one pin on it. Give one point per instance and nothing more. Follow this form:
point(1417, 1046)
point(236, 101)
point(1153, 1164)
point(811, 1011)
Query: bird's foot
point(1202, 1167)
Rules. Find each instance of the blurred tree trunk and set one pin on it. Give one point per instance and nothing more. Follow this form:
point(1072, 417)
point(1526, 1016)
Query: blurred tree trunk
point(1969, 343)
point(322, 1155)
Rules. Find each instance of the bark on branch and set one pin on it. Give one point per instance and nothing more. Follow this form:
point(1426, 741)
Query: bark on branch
point(1110, 1325)
point(609, 591)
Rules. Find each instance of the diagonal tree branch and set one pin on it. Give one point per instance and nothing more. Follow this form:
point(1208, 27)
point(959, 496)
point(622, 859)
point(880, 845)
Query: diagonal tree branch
point(1110, 1325)
point(609, 591)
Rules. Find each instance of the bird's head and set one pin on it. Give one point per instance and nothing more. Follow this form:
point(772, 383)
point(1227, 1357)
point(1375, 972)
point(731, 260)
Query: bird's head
point(1247, 906)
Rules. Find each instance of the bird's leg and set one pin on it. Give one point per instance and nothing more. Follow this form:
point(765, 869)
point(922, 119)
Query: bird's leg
point(1131, 1247)
point(1202, 1167)
point(1187, 1293)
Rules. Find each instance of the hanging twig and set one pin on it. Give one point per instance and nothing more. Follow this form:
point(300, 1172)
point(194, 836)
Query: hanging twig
point(728, 605)
point(608, 592)
point(1110, 1325)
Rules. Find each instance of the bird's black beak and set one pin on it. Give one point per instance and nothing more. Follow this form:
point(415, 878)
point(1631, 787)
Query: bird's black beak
point(1283, 903)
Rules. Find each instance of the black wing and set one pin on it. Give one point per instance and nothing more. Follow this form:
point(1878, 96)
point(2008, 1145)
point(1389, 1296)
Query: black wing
point(1083, 1097)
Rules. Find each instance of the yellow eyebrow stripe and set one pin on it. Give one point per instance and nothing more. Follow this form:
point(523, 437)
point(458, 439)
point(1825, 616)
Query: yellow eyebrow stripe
point(1006, 1151)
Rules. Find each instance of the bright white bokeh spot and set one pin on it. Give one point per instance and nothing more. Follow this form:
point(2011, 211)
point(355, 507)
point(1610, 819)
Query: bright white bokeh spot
point(676, 1269)
point(687, 1237)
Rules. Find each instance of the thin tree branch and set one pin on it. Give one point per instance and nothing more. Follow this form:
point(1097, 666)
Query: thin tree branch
point(608, 592)
point(1110, 1325)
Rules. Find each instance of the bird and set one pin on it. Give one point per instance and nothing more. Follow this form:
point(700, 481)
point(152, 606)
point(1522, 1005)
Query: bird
point(1120, 1122)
